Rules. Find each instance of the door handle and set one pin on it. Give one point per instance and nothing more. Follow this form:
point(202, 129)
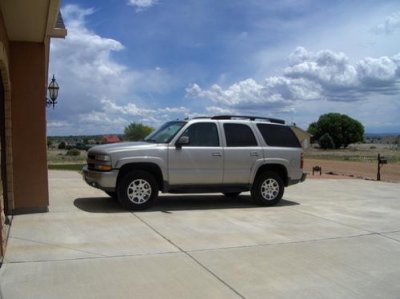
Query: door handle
point(217, 154)
point(254, 154)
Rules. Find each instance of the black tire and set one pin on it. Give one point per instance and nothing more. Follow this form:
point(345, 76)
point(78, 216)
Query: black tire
point(137, 190)
point(232, 194)
point(112, 194)
point(267, 189)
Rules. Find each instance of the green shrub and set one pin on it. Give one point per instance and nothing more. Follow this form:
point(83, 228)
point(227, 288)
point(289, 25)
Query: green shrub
point(326, 142)
point(62, 145)
point(73, 152)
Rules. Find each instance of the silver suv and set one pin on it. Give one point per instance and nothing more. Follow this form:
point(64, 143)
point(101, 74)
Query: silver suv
point(228, 154)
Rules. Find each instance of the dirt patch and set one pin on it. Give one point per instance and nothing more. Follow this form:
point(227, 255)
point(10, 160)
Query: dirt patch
point(350, 169)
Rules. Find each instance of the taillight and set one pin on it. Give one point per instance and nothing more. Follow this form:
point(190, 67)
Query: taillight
point(302, 161)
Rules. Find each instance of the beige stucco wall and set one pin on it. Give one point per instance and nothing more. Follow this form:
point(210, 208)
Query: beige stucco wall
point(2, 224)
point(4, 76)
point(28, 111)
point(2, 220)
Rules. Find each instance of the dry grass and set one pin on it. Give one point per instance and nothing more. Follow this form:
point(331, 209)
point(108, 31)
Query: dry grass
point(358, 161)
point(61, 157)
point(357, 153)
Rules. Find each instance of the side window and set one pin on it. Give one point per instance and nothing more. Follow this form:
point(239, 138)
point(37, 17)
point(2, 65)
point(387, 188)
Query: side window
point(239, 135)
point(276, 135)
point(202, 134)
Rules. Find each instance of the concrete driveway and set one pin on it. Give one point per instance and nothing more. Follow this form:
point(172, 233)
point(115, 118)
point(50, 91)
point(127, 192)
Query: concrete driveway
point(327, 239)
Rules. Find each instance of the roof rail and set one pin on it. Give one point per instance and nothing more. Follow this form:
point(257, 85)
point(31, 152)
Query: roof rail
point(201, 117)
point(273, 120)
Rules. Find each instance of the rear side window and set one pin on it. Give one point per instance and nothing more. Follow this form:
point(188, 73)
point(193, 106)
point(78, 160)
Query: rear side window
point(275, 135)
point(239, 135)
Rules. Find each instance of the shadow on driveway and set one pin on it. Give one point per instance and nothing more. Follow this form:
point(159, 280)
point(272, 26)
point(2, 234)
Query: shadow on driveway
point(167, 203)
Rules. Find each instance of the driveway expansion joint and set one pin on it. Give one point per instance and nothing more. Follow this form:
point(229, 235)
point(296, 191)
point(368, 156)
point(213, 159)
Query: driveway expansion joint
point(190, 256)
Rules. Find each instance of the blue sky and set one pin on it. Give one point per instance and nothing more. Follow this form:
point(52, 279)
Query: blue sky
point(150, 61)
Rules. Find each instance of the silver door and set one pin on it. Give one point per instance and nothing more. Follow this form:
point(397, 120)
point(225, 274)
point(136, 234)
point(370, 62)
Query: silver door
point(200, 162)
point(240, 154)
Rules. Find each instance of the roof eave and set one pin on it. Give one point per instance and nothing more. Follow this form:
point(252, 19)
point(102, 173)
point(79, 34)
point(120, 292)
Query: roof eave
point(55, 24)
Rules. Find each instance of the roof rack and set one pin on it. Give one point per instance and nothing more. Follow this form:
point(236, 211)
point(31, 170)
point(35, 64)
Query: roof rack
point(201, 117)
point(273, 120)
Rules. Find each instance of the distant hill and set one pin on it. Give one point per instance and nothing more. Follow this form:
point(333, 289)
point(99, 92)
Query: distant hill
point(382, 138)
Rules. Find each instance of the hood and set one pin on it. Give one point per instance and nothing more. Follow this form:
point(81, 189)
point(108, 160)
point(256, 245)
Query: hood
point(122, 146)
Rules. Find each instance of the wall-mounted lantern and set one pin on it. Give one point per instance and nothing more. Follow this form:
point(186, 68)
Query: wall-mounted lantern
point(53, 93)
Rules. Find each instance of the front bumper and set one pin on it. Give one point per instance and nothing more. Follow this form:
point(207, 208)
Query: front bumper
point(101, 180)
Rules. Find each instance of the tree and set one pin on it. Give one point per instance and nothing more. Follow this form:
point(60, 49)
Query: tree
point(342, 129)
point(136, 131)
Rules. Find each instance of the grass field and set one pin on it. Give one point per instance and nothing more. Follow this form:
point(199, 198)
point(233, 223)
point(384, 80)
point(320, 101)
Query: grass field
point(357, 153)
point(59, 160)
point(66, 166)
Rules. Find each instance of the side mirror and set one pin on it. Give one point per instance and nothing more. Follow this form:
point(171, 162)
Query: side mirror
point(183, 140)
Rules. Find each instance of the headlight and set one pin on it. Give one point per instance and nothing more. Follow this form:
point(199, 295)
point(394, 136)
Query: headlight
point(104, 158)
point(99, 162)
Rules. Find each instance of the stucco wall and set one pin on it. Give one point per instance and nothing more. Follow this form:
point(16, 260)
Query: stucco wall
point(4, 45)
point(3, 34)
point(28, 110)
point(2, 220)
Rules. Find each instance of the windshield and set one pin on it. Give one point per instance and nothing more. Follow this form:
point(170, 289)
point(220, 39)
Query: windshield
point(166, 132)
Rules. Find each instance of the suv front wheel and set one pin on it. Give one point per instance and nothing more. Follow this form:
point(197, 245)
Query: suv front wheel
point(137, 190)
point(267, 189)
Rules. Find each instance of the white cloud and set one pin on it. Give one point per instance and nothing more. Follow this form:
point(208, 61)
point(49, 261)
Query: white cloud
point(248, 89)
point(88, 74)
point(76, 15)
point(247, 96)
point(83, 63)
point(57, 124)
point(214, 110)
point(155, 116)
point(390, 26)
point(324, 67)
point(320, 76)
point(142, 4)
point(111, 117)
point(378, 69)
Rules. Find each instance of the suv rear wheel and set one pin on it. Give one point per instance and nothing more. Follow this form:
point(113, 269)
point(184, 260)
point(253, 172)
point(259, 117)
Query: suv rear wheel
point(267, 189)
point(137, 190)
